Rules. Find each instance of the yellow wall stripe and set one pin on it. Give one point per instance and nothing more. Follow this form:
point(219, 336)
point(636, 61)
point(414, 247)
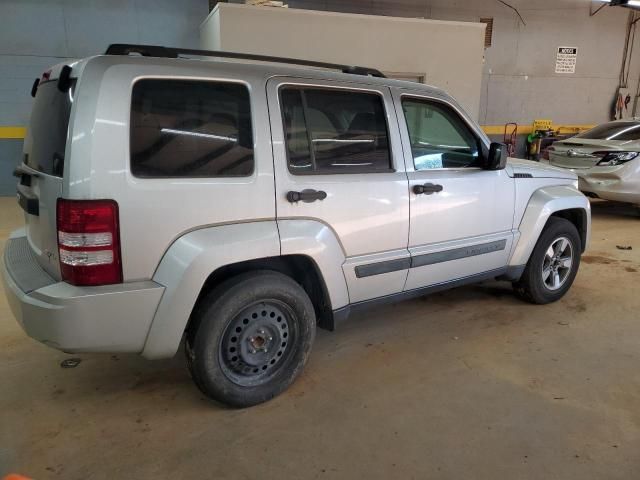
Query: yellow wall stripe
point(527, 129)
point(19, 132)
point(12, 132)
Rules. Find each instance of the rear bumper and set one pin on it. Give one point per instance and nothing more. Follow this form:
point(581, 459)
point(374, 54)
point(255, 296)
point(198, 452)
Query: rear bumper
point(620, 183)
point(110, 318)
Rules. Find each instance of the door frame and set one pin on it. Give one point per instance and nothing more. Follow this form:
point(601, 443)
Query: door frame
point(436, 255)
point(369, 274)
point(399, 93)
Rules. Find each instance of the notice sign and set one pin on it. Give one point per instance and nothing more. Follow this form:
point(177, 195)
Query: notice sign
point(566, 59)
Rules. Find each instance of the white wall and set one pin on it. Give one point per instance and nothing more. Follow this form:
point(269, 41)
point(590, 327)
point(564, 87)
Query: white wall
point(448, 54)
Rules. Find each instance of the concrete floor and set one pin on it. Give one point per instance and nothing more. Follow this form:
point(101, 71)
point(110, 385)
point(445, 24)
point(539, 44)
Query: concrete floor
point(470, 383)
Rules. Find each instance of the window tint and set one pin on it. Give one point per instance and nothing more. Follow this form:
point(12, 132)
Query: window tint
point(439, 137)
point(332, 131)
point(624, 131)
point(182, 128)
point(48, 128)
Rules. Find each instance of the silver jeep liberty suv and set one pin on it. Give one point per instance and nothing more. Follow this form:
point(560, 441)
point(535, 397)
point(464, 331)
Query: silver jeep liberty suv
point(239, 201)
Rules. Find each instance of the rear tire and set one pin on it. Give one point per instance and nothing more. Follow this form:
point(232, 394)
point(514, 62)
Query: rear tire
point(553, 265)
point(250, 338)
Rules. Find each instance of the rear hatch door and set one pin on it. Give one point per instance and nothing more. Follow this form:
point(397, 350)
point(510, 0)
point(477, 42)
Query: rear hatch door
point(42, 171)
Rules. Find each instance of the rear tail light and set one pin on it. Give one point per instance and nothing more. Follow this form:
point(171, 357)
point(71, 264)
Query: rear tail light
point(89, 241)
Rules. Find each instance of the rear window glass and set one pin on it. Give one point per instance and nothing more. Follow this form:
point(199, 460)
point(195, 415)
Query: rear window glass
point(335, 131)
point(624, 131)
point(48, 128)
point(186, 128)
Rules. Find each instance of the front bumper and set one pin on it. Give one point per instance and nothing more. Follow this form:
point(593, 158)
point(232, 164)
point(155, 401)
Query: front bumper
point(109, 318)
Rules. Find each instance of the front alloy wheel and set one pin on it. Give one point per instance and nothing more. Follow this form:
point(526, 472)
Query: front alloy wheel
point(553, 264)
point(558, 260)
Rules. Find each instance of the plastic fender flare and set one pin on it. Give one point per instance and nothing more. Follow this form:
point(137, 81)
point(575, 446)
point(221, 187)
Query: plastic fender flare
point(542, 204)
point(186, 266)
point(319, 242)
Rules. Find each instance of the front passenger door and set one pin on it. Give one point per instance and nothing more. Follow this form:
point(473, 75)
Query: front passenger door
point(461, 216)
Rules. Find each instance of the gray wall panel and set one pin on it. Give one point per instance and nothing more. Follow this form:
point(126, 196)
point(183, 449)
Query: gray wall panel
point(520, 83)
point(10, 154)
point(32, 28)
point(37, 34)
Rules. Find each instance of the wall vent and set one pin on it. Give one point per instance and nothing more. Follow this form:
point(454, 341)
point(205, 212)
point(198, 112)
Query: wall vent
point(488, 33)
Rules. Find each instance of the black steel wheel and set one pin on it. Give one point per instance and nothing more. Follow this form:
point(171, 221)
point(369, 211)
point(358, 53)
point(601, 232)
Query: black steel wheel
point(250, 338)
point(256, 342)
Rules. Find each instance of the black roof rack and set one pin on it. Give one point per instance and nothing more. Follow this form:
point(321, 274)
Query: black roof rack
point(169, 52)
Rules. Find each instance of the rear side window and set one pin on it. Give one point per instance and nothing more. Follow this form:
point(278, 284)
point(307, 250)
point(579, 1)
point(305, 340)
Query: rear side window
point(48, 128)
point(335, 131)
point(186, 128)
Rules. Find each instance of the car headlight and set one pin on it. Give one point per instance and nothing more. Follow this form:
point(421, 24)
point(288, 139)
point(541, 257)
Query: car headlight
point(611, 159)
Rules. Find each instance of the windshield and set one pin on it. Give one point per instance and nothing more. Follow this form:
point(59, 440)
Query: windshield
point(613, 131)
point(48, 128)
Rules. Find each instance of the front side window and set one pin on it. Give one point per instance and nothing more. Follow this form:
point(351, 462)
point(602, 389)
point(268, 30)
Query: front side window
point(334, 131)
point(439, 137)
point(190, 128)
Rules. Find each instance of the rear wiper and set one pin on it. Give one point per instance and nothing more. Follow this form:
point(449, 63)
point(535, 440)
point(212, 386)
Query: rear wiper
point(20, 170)
point(64, 80)
point(34, 87)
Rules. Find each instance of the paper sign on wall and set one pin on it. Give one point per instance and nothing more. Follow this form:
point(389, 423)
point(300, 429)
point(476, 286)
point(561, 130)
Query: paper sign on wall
point(566, 59)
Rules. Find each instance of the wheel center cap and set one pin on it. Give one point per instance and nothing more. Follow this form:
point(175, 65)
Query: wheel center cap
point(259, 342)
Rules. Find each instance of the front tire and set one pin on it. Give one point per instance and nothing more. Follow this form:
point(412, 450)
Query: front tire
point(250, 338)
point(553, 265)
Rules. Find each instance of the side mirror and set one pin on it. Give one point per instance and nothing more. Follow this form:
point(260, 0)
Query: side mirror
point(497, 158)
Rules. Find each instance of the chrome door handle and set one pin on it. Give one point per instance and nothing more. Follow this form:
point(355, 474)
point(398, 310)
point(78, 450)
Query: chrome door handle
point(427, 189)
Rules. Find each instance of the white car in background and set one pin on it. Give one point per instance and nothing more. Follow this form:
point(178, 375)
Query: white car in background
point(606, 160)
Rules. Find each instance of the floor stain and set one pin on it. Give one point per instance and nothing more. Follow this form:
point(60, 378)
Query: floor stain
point(577, 307)
point(598, 259)
point(630, 269)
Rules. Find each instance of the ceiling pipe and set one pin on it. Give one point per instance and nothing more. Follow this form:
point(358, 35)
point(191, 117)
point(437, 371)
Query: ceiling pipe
point(515, 10)
point(632, 4)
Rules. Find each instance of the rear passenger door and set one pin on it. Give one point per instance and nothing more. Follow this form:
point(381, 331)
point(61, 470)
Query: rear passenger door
point(338, 162)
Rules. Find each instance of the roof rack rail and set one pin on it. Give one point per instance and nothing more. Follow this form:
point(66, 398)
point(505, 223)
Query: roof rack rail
point(169, 52)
